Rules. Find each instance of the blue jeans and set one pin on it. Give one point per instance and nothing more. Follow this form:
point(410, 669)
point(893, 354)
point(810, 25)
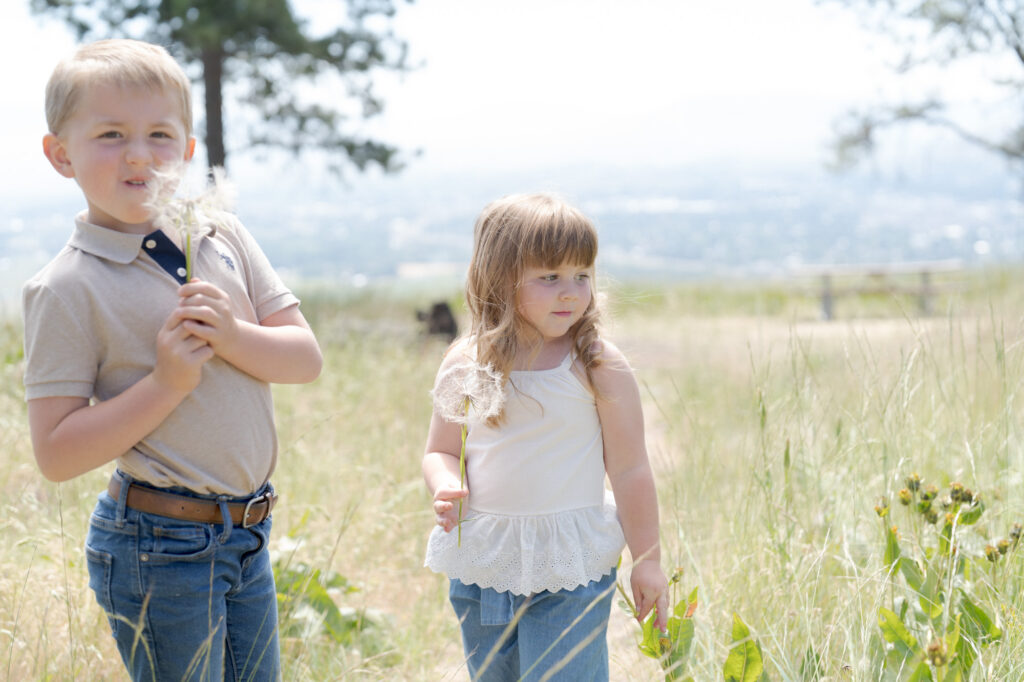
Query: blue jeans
point(185, 600)
point(510, 637)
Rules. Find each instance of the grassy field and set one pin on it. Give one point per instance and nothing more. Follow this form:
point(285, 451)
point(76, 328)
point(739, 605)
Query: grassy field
point(774, 435)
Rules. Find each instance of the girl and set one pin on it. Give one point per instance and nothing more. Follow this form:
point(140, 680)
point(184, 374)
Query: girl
point(546, 409)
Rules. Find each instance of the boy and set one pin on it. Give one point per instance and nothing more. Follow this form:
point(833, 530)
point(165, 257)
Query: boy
point(127, 361)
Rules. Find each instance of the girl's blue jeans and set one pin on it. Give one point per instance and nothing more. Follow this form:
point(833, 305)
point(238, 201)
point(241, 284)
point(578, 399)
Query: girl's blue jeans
point(510, 637)
point(185, 601)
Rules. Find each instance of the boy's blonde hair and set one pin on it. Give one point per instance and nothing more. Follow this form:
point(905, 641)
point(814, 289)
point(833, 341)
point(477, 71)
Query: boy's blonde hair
point(510, 235)
point(118, 62)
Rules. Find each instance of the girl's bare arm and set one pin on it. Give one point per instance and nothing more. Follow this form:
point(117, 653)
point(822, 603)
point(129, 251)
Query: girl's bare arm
point(632, 481)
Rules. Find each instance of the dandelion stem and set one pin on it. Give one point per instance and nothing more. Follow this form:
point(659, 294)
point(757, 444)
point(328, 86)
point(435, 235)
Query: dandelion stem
point(462, 472)
point(189, 220)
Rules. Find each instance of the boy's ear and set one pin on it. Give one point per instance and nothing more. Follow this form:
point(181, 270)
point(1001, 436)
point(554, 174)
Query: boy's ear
point(190, 148)
point(54, 150)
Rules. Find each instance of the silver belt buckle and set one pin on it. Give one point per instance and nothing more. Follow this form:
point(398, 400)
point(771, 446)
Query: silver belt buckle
point(265, 497)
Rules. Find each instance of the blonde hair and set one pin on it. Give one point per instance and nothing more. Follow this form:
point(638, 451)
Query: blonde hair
point(511, 234)
point(118, 62)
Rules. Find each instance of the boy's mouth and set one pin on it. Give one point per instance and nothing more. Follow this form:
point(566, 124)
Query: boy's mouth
point(136, 183)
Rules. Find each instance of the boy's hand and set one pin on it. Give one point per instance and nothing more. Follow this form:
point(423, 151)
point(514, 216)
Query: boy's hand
point(650, 589)
point(446, 507)
point(205, 312)
point(180, 356)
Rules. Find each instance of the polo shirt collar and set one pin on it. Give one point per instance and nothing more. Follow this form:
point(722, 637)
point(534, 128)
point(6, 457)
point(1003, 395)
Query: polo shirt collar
point(118, 247)
point(103, 242)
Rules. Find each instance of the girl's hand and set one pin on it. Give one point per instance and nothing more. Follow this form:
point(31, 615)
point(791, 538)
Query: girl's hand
point(446, 511)
point(205, 311)
point(650, 589)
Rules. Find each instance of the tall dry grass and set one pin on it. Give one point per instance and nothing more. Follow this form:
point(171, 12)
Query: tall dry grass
point(773, 436)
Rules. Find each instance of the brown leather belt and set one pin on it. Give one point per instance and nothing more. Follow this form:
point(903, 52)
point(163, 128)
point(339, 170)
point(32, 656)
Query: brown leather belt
point(199, 510)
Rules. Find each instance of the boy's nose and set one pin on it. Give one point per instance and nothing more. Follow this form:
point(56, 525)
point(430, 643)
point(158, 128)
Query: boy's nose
point(137, 152)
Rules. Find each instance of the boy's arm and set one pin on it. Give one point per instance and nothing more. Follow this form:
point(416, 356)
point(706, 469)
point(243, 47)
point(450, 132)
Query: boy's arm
point(71, 437)
point(281, 349)
point(629, 471)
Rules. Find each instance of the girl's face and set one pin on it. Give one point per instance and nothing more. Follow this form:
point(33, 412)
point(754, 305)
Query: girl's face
point(554, 299)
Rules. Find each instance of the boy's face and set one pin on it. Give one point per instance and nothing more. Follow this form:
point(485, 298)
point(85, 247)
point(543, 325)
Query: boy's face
point(110, 146)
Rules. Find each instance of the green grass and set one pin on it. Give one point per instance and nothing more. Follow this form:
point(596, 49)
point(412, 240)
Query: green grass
point(773, 435)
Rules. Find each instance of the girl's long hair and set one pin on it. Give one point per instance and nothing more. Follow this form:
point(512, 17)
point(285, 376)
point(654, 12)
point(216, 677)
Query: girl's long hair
point(511, 234)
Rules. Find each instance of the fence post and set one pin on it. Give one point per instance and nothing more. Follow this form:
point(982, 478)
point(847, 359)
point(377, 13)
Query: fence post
point(924, 301)
point(826, 296)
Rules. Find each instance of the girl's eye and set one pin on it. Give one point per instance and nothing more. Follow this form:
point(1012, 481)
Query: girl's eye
point(583, 276)
point(110, 135)
point(550, 278)
point(161, 134)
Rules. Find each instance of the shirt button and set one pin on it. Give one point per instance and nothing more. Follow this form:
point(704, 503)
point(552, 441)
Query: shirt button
point(143, 557)
point(150, 243)
point(182, 272)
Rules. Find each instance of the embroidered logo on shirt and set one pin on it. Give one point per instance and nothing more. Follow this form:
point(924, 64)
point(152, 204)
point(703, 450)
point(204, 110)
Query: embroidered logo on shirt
point(227, 260)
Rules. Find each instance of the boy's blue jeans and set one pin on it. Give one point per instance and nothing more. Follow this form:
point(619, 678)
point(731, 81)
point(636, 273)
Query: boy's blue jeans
point(549, 626)
point(185, 600)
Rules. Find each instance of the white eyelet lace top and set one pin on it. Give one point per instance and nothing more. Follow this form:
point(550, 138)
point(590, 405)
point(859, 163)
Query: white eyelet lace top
point(538, 516)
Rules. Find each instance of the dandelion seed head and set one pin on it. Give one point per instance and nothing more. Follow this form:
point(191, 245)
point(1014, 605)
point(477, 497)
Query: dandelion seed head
point(182, 204)
point(479, 385)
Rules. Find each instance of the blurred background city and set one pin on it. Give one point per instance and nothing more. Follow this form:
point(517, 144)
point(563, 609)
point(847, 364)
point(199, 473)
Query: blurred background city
point(703, 138)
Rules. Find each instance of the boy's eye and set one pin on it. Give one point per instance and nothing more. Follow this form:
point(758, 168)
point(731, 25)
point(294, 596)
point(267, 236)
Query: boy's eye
point(583, 275)
point(110, 135)
point(549, 278)
point(161, 134)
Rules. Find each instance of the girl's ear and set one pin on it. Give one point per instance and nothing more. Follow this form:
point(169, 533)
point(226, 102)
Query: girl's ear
point(57, 155)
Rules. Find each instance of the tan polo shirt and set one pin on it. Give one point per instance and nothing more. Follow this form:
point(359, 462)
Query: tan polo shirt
point(91, 322)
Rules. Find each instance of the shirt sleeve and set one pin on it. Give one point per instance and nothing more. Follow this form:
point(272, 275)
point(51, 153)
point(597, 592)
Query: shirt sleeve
point(268, 292)
point(60, 356)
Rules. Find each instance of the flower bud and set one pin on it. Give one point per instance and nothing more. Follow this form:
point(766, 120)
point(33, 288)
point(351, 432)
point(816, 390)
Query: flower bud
point(936, 653)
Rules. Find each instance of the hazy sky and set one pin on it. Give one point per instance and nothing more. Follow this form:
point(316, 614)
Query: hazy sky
point(524, 83)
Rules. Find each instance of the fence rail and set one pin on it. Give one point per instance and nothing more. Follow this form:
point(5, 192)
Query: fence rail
point(912, 278)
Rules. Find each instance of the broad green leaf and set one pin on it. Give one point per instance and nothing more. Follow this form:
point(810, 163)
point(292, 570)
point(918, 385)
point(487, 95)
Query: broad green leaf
point(894, 631)
point(977, 624)
point(892, 546)
point(681, 635)
point(972, 515)
point(930, 593)
point(954, 674)
point(744, 663)
point(650, 645)
point(912, 572)
point(691, 604)
point(945, 538)
point(922, 673)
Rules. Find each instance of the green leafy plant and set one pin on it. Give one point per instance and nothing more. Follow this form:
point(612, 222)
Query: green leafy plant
point(745, 662)
point(936, 626)
point(672, 646)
